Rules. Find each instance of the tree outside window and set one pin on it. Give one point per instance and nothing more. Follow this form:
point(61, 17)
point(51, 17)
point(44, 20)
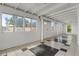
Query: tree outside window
point(7, 23)
point(69, 29)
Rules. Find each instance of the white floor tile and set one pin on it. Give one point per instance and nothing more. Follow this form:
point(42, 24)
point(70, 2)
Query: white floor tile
point(27, 53)
point(14, 53)
point(60, 53)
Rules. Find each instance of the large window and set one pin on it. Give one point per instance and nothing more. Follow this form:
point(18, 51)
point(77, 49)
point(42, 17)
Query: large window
point(27, 23)
point(7, 23)
point(18, 24)
point(33, 25)
point(11, 23)
point(52, 26)
point(46, 25)
point(30, 24)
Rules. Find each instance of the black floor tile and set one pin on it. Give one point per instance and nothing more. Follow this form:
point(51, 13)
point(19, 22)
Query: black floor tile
point(65, 50)
point(44, 50)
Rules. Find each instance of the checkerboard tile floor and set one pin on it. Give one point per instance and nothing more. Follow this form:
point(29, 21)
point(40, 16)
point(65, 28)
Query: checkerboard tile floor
point(27, 52)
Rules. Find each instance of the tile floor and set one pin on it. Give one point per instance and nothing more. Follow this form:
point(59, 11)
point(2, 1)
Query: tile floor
point(44, 50)
point(72, 50)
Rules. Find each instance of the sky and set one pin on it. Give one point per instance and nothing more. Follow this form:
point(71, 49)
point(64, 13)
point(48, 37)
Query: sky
point(3, 19)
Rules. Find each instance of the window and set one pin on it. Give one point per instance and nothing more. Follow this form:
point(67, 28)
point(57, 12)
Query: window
point(46, 25)
point(30, 24)
point(33, 25)
point(11, 23)
point(52, 26)
point(7, 23)
point(27, 23)
point(18, 24)
point(69, 28)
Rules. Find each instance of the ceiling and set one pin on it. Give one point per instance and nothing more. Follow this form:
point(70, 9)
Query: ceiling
point(65, 12)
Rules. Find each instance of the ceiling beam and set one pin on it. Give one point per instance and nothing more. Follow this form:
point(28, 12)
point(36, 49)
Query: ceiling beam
point(54, 19)
point(59, 12)
point(41, 7)
point(64, 13)
point(49, 8)
point(17, 5)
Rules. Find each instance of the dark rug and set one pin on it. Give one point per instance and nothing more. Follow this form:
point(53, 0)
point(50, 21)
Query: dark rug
point(44, 50)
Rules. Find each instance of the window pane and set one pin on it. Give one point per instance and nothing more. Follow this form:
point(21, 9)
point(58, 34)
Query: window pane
point(46, 25)
point(52, 26)
point(7, 23)
point(19, 24)
point(27, 23)
point(69, 28)
point(33, 25)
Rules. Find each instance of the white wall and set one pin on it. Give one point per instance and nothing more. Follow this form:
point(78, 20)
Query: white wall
point(8, 40)
point(74, 28)
point(78, 26)
point(0, 23)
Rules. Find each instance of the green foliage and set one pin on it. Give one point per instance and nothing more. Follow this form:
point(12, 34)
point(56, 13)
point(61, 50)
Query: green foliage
point(11, 22)
point(69, 28)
